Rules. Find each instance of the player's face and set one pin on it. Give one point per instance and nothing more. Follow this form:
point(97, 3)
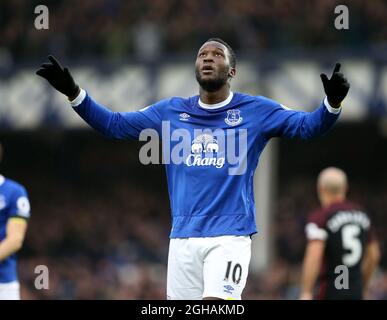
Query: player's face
point(212, 67)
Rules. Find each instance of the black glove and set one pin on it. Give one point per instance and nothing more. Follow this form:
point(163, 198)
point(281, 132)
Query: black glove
point(58, 77)
point(336, 88)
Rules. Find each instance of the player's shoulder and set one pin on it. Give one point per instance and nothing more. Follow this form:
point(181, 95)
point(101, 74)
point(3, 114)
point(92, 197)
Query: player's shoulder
point(319, 216)
point(247, 98)
point(181, 101)
point(175, 99)
point(353, 205)
point(11, 184)
point(171, 102)
point(261, 102)
point(322, 215)
point(240, 96)
point(345, 206)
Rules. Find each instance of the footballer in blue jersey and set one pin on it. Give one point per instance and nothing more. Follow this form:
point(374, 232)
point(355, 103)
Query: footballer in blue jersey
point(211, 147)
point(14, 213)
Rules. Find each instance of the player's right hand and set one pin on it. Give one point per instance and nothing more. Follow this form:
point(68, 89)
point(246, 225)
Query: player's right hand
point(60, 78)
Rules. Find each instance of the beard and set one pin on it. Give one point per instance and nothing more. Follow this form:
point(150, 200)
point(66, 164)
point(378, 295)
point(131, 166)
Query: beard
point(211, 85)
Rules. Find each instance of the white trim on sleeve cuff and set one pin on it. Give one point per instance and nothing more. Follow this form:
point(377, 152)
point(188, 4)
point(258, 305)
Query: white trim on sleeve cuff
point(78, 100)
point(330, 108)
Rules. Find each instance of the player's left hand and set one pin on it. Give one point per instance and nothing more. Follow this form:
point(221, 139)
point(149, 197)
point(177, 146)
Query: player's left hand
point(336, 88)
point(59, 77)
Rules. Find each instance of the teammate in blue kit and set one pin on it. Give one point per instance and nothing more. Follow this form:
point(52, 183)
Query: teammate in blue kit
point(14, 213)
point(212, 144)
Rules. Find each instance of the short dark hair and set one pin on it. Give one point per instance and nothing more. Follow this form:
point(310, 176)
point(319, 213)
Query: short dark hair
point(232, 55)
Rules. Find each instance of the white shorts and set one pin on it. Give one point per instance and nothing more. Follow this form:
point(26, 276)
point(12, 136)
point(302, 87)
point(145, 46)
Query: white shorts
point(10, 291)
point(208, 267)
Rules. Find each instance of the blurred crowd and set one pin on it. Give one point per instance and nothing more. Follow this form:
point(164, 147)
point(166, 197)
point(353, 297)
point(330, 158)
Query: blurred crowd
point(149, 28)
point(110, 244)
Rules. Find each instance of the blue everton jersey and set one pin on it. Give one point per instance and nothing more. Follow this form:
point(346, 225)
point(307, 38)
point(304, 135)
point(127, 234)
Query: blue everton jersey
point(14, 203)
point(210, 152)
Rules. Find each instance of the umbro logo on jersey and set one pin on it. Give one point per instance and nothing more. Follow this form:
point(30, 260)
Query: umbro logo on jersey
point(184, 116)
point(233, 117)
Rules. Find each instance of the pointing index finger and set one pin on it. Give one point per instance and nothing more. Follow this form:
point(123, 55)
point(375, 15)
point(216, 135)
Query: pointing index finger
point(337, 68)
point(54, 62)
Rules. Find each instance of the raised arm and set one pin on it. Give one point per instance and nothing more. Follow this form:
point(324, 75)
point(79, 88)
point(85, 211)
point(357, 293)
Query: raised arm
point(119, 125)
point(281, 121)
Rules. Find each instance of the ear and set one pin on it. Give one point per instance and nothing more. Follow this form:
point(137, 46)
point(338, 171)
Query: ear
point(231, 73)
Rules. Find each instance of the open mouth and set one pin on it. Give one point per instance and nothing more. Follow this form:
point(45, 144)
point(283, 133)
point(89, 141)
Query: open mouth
point(207, 69)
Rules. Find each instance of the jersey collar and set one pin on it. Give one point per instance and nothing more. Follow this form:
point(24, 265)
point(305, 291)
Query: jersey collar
point(2, 179)
point(216, 105)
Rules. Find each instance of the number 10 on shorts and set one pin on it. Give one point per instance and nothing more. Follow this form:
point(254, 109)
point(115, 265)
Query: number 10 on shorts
point(236, 272)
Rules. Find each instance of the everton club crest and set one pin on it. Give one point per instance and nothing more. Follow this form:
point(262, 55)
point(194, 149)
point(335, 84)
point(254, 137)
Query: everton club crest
point(233, 117)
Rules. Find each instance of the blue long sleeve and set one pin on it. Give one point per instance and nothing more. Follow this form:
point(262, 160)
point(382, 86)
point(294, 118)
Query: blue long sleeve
point(284, 122)
point(96, 115)
point(119, 125)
